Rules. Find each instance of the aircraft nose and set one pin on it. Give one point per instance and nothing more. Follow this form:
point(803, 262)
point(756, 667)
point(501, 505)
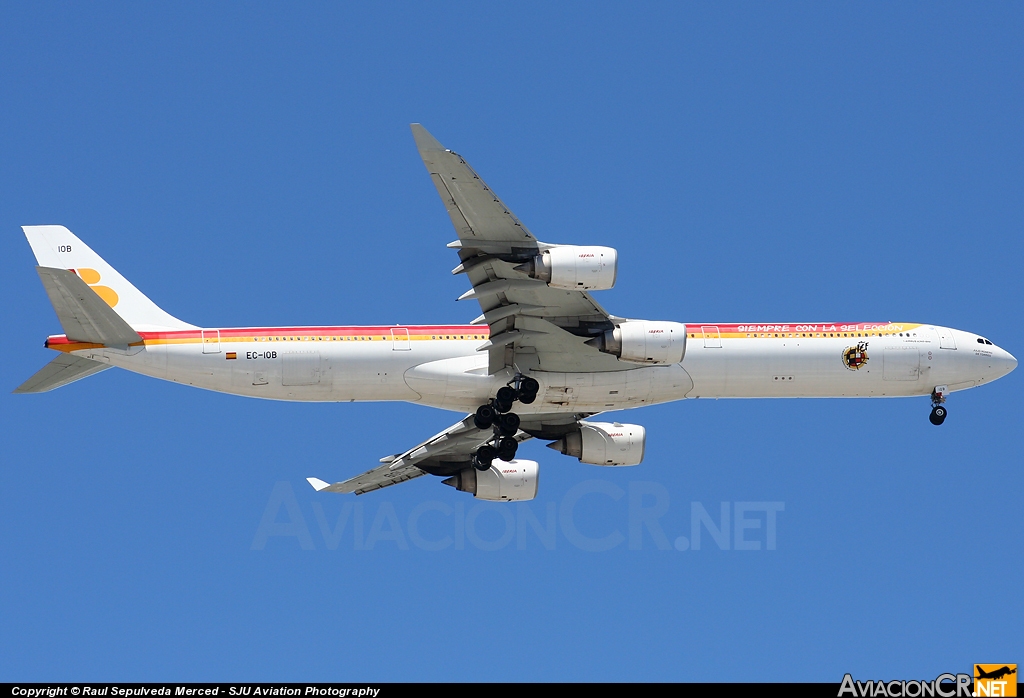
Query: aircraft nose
point(1003, 361)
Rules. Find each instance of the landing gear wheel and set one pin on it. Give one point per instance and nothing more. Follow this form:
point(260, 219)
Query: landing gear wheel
point(508, 424)
point(484, 456)
point(938, 415)
point(527, 398)
point(484, 417)
point(507, 448)
point(528, 386)
point(504, 399)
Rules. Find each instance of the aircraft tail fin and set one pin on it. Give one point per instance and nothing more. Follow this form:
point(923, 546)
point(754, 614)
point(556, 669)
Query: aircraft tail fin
point(64, 369)
point(57, 249)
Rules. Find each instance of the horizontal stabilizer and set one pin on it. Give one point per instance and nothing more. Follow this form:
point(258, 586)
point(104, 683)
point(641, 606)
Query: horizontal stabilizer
point(64, 369)
point(84, 316)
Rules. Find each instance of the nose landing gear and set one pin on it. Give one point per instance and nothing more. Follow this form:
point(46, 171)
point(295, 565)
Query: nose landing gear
point(938, 415)
point(497, 414)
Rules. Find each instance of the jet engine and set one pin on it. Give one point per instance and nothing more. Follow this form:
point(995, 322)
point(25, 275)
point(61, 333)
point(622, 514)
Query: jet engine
point(504, 481)
point(604, 443)
point(575, 268)
point(644, 342)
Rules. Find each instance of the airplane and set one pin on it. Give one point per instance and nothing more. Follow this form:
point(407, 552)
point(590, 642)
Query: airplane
point(995, 674)
point(540, 362)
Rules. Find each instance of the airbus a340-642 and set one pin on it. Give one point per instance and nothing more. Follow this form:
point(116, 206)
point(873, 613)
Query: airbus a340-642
point(540, 361)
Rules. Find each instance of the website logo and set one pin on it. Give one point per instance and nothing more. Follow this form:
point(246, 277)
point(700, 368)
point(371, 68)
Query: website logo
point(995, 679)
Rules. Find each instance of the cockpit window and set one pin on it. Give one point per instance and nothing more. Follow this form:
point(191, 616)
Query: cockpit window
point(982, 340)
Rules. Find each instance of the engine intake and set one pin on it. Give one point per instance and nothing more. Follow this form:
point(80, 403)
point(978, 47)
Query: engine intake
point(504, 481)
point(575, 268)
point(604, 443)
point(645, 342)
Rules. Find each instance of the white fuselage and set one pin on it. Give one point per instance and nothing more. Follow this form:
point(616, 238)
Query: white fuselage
point(441, 367)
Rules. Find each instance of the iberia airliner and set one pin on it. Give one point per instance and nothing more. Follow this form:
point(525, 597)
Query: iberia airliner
point(539, 362)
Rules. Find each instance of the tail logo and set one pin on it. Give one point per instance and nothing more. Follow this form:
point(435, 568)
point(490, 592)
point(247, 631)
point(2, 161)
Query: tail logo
point(92, 278)
point(856, 357)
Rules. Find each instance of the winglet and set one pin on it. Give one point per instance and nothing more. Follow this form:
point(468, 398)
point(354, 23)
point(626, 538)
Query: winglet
point(424, 141)
point(317, 483)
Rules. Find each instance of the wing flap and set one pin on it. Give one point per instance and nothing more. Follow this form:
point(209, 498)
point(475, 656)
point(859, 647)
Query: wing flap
point(64, 369)
point(375, 479)
point(462, 226)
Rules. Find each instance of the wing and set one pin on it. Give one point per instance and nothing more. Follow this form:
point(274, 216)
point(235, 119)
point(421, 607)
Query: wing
point(533, 326)
point(446, 453)
point(443, 454)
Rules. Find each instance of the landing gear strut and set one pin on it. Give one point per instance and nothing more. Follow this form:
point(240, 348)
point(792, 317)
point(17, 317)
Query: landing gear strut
point(938, 415)
point(498, 414)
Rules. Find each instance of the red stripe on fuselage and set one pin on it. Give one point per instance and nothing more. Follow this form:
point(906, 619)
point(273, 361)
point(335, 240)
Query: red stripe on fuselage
point(418, 330)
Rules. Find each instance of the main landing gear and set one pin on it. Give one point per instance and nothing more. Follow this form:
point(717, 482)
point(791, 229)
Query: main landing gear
point(497, 414)
point(938, 415)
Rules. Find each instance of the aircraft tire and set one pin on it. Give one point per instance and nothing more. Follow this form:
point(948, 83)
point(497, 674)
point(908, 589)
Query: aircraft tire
point(504, 399)
point(938, 415)
point(509, 424)
point(484, 417)
point(484, 456)
point(507, 447)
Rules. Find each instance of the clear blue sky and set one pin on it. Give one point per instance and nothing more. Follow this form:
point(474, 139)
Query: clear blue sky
point(251, 164)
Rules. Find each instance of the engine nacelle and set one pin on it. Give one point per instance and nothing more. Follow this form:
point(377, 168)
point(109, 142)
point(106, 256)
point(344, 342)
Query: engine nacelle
point(645, 342)
point(604, 443)
point(504, 481)
point(575, 268)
